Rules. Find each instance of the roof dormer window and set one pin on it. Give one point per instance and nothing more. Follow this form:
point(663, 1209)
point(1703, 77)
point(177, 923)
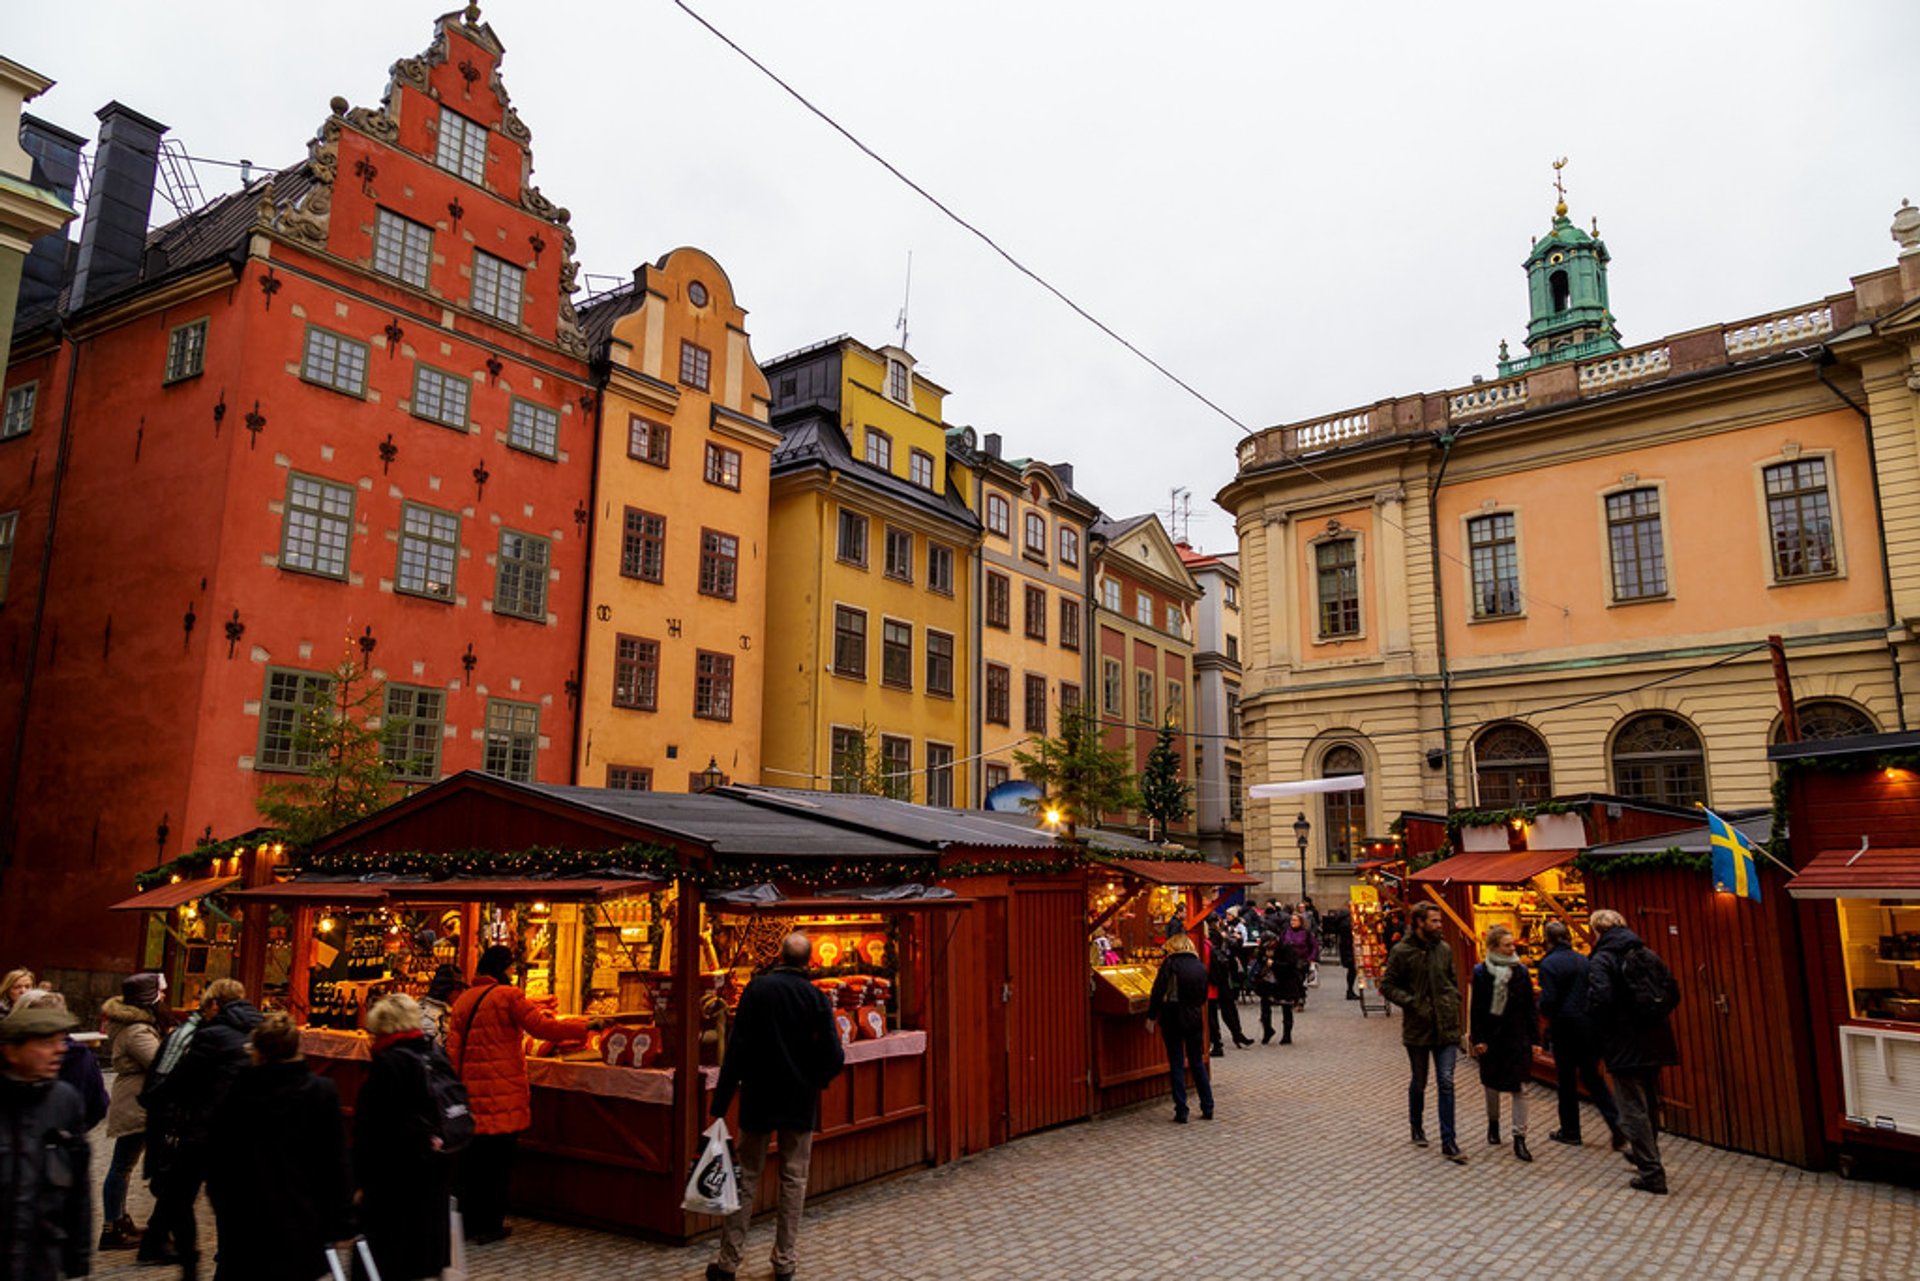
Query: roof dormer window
point(899, 382)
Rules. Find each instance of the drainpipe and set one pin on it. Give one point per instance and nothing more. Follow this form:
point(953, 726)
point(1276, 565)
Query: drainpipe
point(1446, 441)
point(1822, 357)
point(600, 380)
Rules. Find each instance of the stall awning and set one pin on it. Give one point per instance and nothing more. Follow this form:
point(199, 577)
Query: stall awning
point(839, 906)
point(1166, 871)
point(163, 898)
point(572, 889)
point(1505, 867)
point(1893, 872)
point(316, 892)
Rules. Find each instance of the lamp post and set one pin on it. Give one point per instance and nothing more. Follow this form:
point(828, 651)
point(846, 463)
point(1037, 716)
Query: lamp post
point(711, 778)
point(1301, 827)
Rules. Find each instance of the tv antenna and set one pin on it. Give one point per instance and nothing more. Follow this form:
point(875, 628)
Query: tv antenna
point(1180, 513)
point(905, 303)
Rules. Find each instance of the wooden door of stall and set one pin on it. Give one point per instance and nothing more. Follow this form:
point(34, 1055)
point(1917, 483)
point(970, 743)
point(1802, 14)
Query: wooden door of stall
point(1048, 1079)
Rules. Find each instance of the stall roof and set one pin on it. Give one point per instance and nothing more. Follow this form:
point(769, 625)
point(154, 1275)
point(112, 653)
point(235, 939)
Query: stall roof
point(1500, 867)
point(937, 826)
point(453, 890)
point(162, 898)
point(1858, 745)
point(1893, 872)
point(316, 892)
point(733, 825)
point(1756, 825)
point(1165, 871)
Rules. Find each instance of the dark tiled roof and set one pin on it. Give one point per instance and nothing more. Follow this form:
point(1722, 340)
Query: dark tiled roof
point(1111, 529)
point(814, 439)
point(734, 827)
point(220, 226)
point(934, 825)
point(599, 312)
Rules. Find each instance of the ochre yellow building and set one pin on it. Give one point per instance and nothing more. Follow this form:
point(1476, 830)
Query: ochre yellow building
point(871, 580)
point(675, 634)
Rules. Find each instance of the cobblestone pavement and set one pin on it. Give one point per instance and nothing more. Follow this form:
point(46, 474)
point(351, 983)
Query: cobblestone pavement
point(1307, 1169)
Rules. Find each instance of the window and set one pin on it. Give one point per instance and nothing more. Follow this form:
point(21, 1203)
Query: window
point(1069, 698)
point(643, 546)
point(920, 468)
point(849, 756)
point(896, 767)
point(1233, 649)
point(1036, 544)
point(402, 248)
point(999, 514)
point(1143, 696)
point(1337, 566)
point(636, 673)
point(899, 381)
point(712, 686)
point(719, 563)
point(997, 776)
point(647, 441)
point(1657, 757)
point(1559, 290)
point(9, 525)
point(534, 428)
point(850, 642)
point(1069, 623)
point(896, 654)
point(1036, 613)
point(1633, 540)
point(1232, 596)
point(1176, 703)
point(1236, 793)
point(440, 398)
point(696, 365)
point(497, 286)
point(999, 695)
point(939, 775)
point(939, 569)
point(1233, 713)
point(513, 739)
point(1494, 557)
point(1175, 620)
point(853, 538)
point(999, 600)
point(1800, 519)
point(462, 146)
point(412, 728)
point(723, 466)
point(880, 449)
point(520, 585)
point(1822, 719)
point(898, 562)
point(1111, 694)
point(629, 778)
point(1069, 545)
point(1110, 595)
point(1343, 815)
point(1143, 608)
point(939, 663)
point(336, 362)
point(1510, 767)
point(291, 698)
point(186, 351)
point(19, 413)
point(318, 526)
point(429, 548)
point(1035, 710)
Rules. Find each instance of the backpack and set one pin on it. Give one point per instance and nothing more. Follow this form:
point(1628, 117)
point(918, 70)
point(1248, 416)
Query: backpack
point(1652, 993)
point(452, 1117)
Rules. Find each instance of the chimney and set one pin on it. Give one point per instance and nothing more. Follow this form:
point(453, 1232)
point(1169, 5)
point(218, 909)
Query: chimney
point(992, 441)
point(56, 167)
point(113, 234)
point(1065, 472)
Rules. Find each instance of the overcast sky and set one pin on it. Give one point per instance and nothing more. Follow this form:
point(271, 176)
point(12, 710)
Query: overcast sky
point(1297, 210)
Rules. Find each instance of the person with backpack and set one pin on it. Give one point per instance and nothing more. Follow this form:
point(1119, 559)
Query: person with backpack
point(136, 1022)
point(45, 1194)
point(1631, 995)
point(409, 1120)
point(1576, 1054)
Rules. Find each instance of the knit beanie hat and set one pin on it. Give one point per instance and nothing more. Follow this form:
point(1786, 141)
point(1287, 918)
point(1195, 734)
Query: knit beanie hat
point(143, 989)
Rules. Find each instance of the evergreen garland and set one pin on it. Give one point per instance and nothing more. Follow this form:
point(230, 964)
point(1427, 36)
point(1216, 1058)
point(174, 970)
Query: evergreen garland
point(198, 861)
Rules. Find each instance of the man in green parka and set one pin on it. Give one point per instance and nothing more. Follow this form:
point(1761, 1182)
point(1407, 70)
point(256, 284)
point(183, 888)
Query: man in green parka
point(1419, 979)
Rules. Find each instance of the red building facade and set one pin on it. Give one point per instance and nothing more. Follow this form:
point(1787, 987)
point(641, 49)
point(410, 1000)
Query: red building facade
point(343, 412)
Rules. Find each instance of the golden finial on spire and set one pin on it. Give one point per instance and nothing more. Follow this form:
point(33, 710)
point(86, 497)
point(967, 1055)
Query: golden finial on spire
point(1560, 188)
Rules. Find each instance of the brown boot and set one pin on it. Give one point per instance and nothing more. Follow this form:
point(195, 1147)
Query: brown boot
point(121, 1234)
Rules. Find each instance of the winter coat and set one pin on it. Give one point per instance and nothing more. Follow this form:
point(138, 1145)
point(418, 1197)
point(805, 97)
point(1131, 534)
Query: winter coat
point(483, 1042)
point(277, 1174)
point(781, 1052)
point(80, 1068)
point(1220, 969)
point(1563, 989)
point(1305, 945)
point(1419, 979)
point(1629, 1040)
point(133, 1039)
point(1510, 1035)
point(1179, 999)
point(180, 1107)
point(1339, 927)
point(1283, 978)
point(45, 1181)
point(433, 1019)
point(403, 1179)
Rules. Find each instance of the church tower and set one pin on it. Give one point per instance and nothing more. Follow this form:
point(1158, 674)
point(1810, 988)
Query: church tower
point(1571, 318)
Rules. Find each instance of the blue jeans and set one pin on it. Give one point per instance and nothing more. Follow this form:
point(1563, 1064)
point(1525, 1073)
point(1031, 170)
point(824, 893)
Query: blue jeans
point(113, 1194)
point(1443, 1058)
point(1188, 1052)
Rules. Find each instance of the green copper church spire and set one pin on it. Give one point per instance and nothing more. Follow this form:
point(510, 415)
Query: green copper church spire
point(1571, 318)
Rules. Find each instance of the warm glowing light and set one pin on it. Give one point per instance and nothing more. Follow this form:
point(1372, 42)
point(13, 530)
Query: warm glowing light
point(174, 879)
point(539, 907)
point(1895, 774)
point(326, 925)
point(1519, 824)
point(1053, 816)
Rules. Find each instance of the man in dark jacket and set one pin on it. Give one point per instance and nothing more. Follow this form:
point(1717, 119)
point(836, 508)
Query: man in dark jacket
point(1576, 1051)
point(1177, 1004)
point(44, 1170)
point(1636, 1042)
point(1419, 979)
point(782, 1051)
point(186, 1086)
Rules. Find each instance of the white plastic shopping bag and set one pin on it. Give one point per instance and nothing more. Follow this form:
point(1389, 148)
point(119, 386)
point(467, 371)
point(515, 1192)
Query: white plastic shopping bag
point(456, 1269)
point(711, 1188)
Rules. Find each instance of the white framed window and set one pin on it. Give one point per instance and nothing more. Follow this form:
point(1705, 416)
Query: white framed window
point(402, 248)
point(920, 468)
point(497, 287)
point(1110, 595)
point(1173, 619)
point(999, 515)
point(440, 397)
point(1036, 544)
point(899, 382)
point(696, 365)
point(462, 146)
point(186, 350)
point(534, 428)
point(19, 413)
point(1143, 608)
point(335, 361)
point(879, 449)
point(1069, 545)
point(1493, 550)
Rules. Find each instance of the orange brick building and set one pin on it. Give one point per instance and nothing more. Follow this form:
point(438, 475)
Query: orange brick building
point(344, 410)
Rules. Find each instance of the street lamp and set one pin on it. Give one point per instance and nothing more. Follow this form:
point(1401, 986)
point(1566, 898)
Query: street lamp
point(711, 779)
point(1300, 830)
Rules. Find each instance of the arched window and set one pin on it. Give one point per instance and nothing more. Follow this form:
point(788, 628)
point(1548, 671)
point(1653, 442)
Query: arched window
point(1510, 767)
point(1562, 292)
point(1343, 818)
point(1822, 718)
point(1659, 758)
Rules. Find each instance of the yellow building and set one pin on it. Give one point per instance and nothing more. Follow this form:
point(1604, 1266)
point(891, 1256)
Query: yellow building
point(1562, 580)
point(676, 614)
point(871, 580)
point(1032, 655)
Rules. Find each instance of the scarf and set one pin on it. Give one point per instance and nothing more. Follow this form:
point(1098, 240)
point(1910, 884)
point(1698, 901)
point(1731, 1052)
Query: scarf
point(1501, 968)
point(392, 1038)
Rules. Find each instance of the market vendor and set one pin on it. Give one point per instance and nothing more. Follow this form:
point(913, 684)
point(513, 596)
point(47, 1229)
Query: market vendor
point(483, 1031)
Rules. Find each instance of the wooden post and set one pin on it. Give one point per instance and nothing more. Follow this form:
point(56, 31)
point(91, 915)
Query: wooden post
point(1452, 915)
point(300, 971)
point(689, 1094)
point(1783, 687)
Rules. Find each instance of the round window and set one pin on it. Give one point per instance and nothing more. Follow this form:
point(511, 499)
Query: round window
point(697, 294)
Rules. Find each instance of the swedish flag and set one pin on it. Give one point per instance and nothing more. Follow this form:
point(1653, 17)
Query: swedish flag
point(1735, 866)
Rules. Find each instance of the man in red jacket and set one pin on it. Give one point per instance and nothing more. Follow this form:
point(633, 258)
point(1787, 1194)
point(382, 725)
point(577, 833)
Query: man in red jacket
point(483, 1041)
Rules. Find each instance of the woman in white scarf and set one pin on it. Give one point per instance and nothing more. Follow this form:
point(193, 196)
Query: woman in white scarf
point(1502, 1031)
